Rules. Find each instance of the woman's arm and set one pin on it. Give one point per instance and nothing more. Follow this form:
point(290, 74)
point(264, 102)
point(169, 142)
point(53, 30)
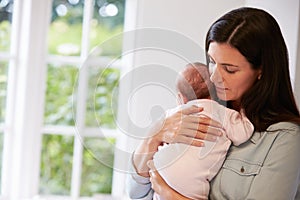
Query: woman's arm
point(180, 127)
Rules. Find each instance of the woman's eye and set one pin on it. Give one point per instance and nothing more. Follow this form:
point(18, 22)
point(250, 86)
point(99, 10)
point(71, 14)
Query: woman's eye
point(230, 69)
point(211, 61)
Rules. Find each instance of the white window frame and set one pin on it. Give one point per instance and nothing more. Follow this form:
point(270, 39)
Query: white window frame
point(25, 102)
point(23, 128)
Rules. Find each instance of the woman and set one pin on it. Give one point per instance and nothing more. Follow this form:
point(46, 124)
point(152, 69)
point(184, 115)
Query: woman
point(248, 60)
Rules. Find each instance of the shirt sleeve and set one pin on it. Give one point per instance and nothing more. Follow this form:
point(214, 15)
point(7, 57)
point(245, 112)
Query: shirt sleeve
point(279, 177)
point(238, 127)
point(138, 187)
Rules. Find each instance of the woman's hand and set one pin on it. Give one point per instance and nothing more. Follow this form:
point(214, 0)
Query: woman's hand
point(179, 127)
point(160, 186)
point(184, 127)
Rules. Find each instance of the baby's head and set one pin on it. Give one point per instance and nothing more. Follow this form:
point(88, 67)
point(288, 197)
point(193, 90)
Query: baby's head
point(194, 82)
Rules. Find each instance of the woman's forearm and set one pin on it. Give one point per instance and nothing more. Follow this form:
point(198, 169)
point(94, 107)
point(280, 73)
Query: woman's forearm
point(143, 154)
point(147, 148)
point(171, 194)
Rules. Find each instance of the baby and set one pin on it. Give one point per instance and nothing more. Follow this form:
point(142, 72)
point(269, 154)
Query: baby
point(189, 169)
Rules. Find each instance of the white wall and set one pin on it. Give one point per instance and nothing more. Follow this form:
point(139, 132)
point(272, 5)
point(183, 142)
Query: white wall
point(191, 18)
point(297, 74)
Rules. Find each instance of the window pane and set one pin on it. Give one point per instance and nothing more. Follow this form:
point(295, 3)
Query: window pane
point(3, 86)
point(102, 97)
point(1, 151)
point(56, 164)
point(6, 8)
point(59, 95)
point(97, 169)
point(107, 22)
point(65, 31)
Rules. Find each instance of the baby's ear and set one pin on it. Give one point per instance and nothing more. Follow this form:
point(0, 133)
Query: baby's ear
point(181, 98)
point(185, 99)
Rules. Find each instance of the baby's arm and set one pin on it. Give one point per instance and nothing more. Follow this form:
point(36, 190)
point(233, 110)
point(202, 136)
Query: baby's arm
point(238, 127)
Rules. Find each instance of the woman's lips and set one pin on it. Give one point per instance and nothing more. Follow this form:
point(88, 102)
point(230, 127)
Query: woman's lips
point(220, 89)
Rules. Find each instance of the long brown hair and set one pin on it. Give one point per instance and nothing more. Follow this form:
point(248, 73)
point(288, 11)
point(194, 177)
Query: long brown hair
point(257, 36)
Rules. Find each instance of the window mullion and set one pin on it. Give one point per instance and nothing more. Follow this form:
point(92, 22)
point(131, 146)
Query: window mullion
point(10, 102)
point(23, 136)
point(81, 98)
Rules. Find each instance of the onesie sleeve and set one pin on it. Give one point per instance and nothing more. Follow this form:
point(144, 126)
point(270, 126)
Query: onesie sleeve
point(238, 127)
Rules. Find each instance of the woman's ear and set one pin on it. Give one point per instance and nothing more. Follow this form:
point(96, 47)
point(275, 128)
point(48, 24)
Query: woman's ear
point(259, 74)
point(259, 77)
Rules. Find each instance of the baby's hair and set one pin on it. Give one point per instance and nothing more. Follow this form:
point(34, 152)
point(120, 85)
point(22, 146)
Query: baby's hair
point(194, 81)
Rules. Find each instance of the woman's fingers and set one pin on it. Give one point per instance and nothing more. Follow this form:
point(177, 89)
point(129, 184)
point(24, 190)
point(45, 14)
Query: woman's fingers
point(191, 110)
point(201, 124)
point(157, 183)
point(184, 126)
point(189, 141)
point(154, 176)
point(150, 164)
point(203, 120)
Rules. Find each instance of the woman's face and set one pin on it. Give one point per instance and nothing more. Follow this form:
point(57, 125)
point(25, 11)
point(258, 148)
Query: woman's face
point(231, 73)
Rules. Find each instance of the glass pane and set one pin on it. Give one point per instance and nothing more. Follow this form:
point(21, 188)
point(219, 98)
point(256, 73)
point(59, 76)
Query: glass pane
point(6, 8)
point(102, 97)
point(1, 153)
point(56, 164)
point(59, 95)
point(97, 168)
point(3, 86)
point(64, 37)
point(106, 26)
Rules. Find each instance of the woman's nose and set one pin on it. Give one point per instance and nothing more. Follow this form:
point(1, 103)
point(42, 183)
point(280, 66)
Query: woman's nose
point(215, 75)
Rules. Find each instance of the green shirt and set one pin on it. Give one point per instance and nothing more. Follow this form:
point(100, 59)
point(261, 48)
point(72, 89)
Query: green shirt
point(265, 167)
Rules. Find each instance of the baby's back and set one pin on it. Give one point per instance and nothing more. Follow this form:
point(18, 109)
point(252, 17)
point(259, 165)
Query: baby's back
point(188, 169)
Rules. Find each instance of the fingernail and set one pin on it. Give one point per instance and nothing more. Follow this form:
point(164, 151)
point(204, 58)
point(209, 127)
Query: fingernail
point(220, 133)
point(214, 138)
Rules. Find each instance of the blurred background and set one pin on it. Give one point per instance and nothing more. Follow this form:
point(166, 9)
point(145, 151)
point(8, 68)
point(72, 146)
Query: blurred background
point(70, 91)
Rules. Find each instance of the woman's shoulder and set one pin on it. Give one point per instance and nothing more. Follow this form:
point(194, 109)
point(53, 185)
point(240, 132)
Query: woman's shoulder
point(286, 132)
point(287, 127)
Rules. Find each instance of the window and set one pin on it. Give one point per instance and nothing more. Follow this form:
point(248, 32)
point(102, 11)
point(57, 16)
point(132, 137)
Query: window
point(61, 82)
point(78, 94)
point(5, 58)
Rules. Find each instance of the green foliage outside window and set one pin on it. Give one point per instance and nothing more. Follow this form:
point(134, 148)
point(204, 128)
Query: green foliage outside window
point(5, 30)
point(102, 97)
point(64, 39)
point(59, 95)
point(3, 85)
point(97, 169)
point(56, 165)
point(60, 109)
point(57, 150)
